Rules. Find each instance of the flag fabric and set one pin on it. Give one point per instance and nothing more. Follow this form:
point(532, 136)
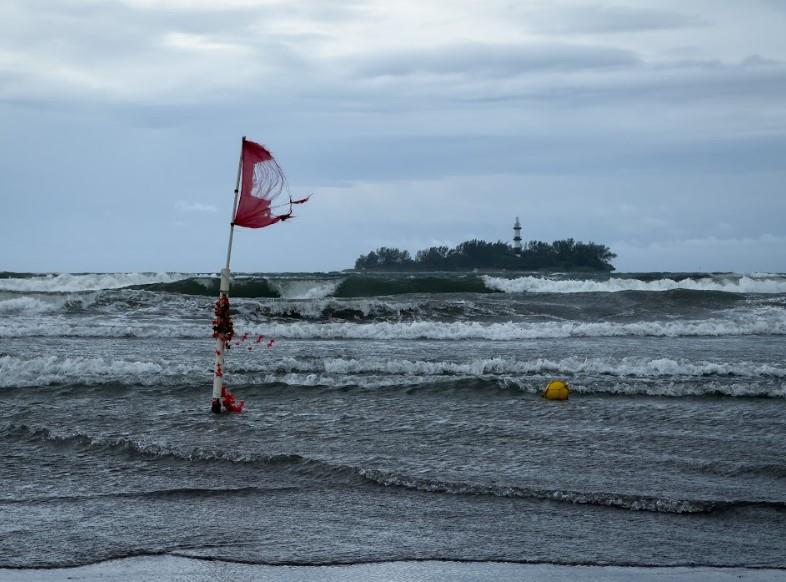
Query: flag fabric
point(263, 181)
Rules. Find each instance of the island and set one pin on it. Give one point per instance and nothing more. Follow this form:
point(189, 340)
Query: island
point(560, 255)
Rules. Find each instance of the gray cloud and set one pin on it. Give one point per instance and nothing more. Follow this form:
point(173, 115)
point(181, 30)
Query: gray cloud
point(120, 52)
point(755, 81)
point(494, 60)
point(410, 123)
point(600, 18)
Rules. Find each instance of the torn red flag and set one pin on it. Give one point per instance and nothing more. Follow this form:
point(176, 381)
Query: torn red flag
point(262, 183)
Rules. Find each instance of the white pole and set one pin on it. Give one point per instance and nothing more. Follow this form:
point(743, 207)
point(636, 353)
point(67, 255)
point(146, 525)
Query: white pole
point(223, 291)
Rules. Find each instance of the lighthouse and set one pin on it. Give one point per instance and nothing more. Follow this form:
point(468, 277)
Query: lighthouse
point(517, 237)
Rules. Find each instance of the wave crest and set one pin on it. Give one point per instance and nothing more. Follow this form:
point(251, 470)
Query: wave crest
point(602, 375)
point(771, 323)
point(384, 284)
point(732, 284)
point(69, 283)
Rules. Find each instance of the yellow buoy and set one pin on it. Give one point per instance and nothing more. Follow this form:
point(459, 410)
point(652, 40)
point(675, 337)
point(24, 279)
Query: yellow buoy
point(556, 390)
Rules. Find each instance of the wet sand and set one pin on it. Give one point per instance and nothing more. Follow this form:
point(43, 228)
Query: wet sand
point(183, 569)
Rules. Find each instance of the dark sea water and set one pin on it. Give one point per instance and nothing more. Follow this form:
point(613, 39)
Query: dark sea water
point(395, 417)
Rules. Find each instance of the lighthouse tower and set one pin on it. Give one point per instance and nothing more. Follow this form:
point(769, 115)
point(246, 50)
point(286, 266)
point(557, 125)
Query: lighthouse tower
point(517, 237)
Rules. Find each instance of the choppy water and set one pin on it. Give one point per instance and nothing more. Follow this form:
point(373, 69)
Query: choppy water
point(395, 417)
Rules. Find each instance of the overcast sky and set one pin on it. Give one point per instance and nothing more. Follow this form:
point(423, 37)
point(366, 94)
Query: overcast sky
point(655, 127)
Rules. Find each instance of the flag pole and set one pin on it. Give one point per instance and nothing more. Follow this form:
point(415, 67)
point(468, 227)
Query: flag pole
point(223, 292)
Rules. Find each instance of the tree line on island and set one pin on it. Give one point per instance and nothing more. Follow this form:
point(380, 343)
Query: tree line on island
point(562, 255)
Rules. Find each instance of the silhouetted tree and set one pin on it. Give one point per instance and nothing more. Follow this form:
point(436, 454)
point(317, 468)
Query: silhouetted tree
point(384, 258)
point(564, 254)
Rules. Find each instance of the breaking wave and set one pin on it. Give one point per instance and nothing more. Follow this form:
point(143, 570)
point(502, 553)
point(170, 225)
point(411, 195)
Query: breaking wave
point(322, 470)
point(54, 370)
point(732, 284)
point(762, 321)
point(383, 284)
point(305, 288)
point(749, 324)
point(625, 376)
point(28, 305)
point(69, 283)
point(349, 286)
point(635, 367)
point(208, 286)
point(357, 286)
point(45, 303)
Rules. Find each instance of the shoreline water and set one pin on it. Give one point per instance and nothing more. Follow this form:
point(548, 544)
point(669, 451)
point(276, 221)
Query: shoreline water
point(169, 567)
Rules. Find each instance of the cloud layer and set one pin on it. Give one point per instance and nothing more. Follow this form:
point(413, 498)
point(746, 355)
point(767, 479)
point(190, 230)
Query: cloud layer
point(411, 121)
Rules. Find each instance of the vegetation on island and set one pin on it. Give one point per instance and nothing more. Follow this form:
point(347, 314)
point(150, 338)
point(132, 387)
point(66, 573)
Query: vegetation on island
point(560, 255)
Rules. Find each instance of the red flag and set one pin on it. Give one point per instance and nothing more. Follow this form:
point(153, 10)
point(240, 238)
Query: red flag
point(263, 181)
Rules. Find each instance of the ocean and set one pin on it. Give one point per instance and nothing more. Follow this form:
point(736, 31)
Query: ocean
point(395, 417)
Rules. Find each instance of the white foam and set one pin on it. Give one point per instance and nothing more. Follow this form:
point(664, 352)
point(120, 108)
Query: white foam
point(773, 323)
point(629, 366)
point(106, 327)
point(67, 283)
point(532, 384)
point(48, 370)
point(592, 375)
point(28, 305)
point(743, 284)
point(305, 288)
point(31, 305)
point(763, 321)
point(628, 376)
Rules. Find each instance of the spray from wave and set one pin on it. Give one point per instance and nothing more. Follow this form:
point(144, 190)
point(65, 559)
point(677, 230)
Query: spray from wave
point(305, 288)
